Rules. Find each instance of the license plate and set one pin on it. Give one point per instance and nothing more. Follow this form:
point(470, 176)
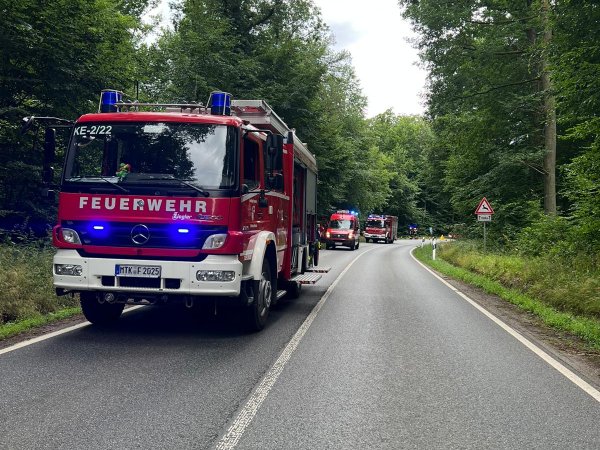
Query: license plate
point(130, 270)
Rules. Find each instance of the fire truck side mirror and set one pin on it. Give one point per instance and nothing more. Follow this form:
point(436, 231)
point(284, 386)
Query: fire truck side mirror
point(276, 182)
point(274, 144)
point(49, 155)
point(275, 151)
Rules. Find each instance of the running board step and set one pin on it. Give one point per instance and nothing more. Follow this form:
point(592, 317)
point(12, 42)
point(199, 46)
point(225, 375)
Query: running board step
point(280, 294)
point(307, 278)
point(319, 269)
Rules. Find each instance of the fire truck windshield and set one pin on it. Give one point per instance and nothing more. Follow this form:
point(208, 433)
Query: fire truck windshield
point(341, 224)
point(375, 223)
point(198, 156)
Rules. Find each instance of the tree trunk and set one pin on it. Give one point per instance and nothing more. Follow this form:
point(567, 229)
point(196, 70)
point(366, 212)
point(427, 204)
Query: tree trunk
point(549, 110)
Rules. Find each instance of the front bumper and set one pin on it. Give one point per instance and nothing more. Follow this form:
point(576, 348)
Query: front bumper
point(340, 241)
point(177, 277)
point(374, 236)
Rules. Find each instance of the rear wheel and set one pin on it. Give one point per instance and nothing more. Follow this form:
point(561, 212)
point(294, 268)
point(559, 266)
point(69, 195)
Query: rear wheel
point(256, 314)
point(99, 313)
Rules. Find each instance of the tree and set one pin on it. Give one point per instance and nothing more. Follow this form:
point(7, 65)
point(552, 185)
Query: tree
point(491, 100)
point(57, 71)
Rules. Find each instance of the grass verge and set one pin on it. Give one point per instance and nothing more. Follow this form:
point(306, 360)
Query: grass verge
point(586, 328)
point(27, 297)
point(13, 328)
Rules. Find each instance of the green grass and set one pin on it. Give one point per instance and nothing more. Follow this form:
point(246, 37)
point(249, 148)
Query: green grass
point(13, 328)
point(27, 297)
point(563, 298)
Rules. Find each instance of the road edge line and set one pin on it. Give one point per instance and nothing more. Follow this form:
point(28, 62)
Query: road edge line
point(562, 369)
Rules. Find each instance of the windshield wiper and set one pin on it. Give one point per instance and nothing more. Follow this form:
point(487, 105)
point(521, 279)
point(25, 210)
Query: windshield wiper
point(99, 178)
point(171, 178)
point(115, 185)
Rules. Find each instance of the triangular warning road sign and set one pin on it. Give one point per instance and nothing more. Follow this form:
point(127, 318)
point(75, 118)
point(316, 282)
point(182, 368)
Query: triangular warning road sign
point(484, 207)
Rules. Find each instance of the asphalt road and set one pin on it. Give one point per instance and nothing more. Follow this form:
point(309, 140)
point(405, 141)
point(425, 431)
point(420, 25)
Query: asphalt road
point(388, 357)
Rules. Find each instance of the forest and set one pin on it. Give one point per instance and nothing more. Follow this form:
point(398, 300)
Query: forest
point(512, 104)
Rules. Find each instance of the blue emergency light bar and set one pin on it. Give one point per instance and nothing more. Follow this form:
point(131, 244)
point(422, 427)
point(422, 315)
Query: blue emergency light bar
point(220, 103)
point(109, 99)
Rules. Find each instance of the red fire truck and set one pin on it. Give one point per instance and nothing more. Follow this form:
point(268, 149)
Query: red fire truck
point(381, 228)
point(168, 203)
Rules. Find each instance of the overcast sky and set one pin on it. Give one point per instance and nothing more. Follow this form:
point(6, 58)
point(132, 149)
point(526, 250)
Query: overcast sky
point(376, 36)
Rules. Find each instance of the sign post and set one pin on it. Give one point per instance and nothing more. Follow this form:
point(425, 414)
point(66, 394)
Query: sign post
point(484, 214)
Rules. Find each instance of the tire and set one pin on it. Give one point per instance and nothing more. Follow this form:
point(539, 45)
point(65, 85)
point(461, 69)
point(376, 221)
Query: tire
point(316, 255)
point(353, 246)
point(358, 243)
point(367, 240)
point(293, 290)
point(257, 313)
point(99, 313)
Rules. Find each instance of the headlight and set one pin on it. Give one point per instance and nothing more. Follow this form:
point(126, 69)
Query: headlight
point(215, 275)
point(351, 235)
point(68, 269)
point(327, 234)
point(214, 241)
point(69, 235)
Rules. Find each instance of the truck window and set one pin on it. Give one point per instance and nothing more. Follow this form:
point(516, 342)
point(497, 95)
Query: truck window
point(201, 154)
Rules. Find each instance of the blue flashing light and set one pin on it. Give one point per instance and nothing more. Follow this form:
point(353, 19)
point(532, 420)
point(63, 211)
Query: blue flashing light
point(109, 99)
point(220, 103)
point(98, 229)
point(183, 230)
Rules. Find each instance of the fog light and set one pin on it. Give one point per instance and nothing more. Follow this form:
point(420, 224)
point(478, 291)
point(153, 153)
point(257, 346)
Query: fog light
point(68, 269)
point(215, 275)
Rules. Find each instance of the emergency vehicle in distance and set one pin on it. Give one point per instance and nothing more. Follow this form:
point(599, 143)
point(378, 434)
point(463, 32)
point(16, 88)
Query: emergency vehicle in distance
point(183, 203)
point(343, 229)
point(381, 228)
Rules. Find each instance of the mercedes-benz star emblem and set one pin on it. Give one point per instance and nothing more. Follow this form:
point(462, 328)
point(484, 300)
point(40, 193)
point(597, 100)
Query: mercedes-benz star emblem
point(140, 234)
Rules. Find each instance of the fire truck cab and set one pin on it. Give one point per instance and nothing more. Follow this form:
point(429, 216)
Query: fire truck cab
point(343, 229)
point(165, 203)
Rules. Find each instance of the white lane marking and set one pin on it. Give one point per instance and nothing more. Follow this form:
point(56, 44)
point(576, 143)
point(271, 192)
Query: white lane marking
point(578, 381)
point(55, 333)
point(252, 405)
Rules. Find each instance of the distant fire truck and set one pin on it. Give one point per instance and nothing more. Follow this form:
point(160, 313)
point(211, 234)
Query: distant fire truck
point(343, 229)
point(382, 228)
point(180, 202)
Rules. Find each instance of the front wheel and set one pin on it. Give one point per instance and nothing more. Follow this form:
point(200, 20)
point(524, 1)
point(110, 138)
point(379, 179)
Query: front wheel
point(99, 313)
point(256, 314)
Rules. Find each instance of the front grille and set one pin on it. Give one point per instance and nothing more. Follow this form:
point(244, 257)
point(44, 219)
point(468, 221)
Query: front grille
point(135, 282)
point(153, 283)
